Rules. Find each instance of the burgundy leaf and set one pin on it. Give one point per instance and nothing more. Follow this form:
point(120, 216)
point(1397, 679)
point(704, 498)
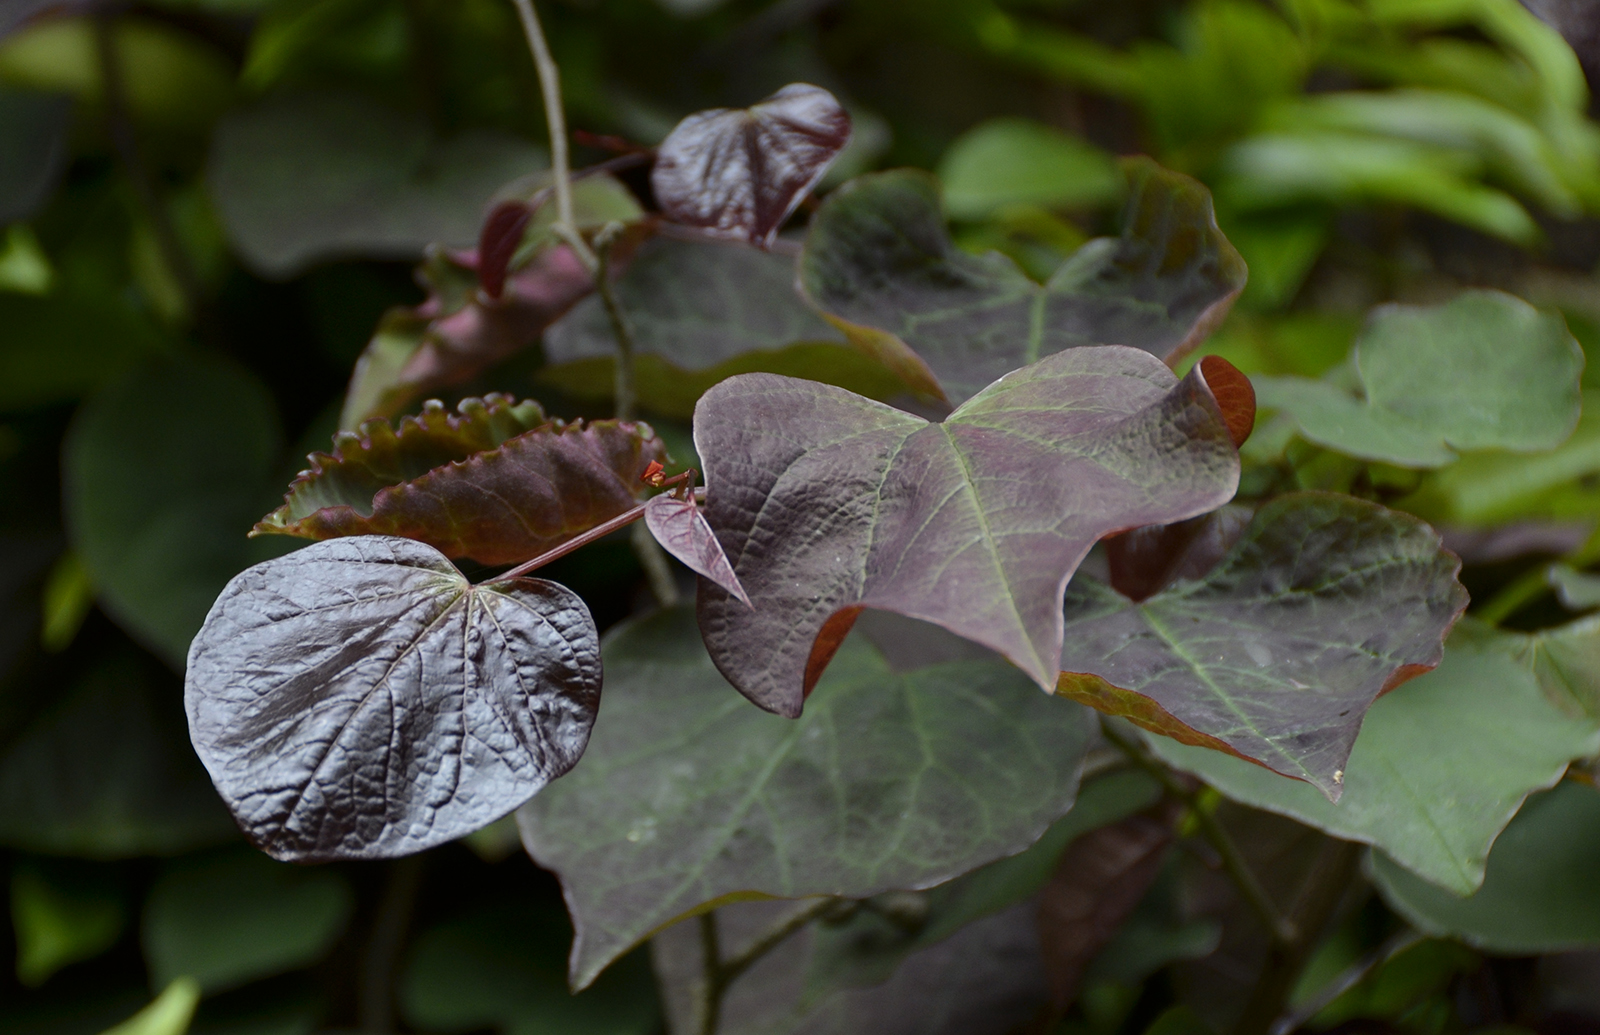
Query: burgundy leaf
point(682, 531)
point(740, 172)
point(360, 699)
point(1146, 560)
point(827, 503)
point(510, 499)
point(502, 233)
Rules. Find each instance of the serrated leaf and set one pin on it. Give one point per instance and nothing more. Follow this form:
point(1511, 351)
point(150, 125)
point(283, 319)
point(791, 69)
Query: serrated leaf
point(360, 699)
point(477, 485)
point(303, 177)
point(1539, 894)
point(682, 530)
point(1485, 371)
point(160, 539)
point(880, 264)
point(1440, 767)
point(892, 779)
point(828, 503)
point(740, 172)
point(235, 917)
point(1276, 654)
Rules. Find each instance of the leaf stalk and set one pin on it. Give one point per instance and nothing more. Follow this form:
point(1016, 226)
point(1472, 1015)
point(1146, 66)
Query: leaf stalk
point(1280, 927)
point(718, 973)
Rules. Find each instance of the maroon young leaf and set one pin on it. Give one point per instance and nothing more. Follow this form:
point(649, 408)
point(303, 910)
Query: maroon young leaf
point(497, 243)
point(477, 485)
point(740, 172)
point(360, 699)
point(1326, 602)
point(827, 503)
point(881, 266)
point(682, 531)
point(1146, 560)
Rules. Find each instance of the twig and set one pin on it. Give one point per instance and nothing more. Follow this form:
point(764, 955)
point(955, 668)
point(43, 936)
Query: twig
point(599, 531)
point(657, 571)
point(719, 973)
point(555, 118)
point(1294, 1019)
point(120, 126)
point(1233, 863)
point(604, 241)
point(376, 1005)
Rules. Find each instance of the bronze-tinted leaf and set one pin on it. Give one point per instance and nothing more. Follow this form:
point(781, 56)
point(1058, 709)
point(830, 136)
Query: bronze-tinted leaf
point(361, 699)
point(682, 531)
point(827, 503)
point(740, 172)
point(1326, 602)
point(880, 264)
point(476, 485)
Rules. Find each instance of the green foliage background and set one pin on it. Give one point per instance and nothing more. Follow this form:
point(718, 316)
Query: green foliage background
point(191, 262)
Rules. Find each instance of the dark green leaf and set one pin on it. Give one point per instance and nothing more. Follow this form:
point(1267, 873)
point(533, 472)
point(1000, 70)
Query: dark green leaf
point(231, 918)
point(305, 177)
point(739, 173)
point(1442, 764)
point(161, 537)
point(1539, 894)
point(827, 503)
point(104, 771)
point(504, 967)
point(68, 344)
point(891, 780)
point(360, 699)
point(62, 914)
point(1276, 654)
point(881, 266)
point(481, 484)
point(1485, 371)
point(33, 149)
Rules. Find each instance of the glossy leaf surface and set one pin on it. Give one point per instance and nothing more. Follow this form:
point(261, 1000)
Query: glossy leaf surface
point(1276, 654)
point(827, 503)
point(161, 539)
point(1485, 371)
point(477, 485)
point(681, 529)
point(880, 264)
point(1442, 764)
point(1539, 894)
point(892, 779)
point(304, 176)
point(739, 173)
point(360, 699)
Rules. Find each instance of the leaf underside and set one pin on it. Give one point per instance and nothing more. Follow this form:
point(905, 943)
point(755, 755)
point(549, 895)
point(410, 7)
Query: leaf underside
point(827, 503)
point(477, 485)
point(1276, 654)
point(739, 173)
point(360, 699)
point(894, 778)
point(880, 265)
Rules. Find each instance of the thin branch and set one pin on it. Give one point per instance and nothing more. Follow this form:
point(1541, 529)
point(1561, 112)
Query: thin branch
point(599, 531)
point(555, 118)
point(626, 393)
point(656, 569)
point(711, 986)
point(1294, 1019)
point(1233, 863)
point(770, 939)
point(376, 1006)
point(718, 973)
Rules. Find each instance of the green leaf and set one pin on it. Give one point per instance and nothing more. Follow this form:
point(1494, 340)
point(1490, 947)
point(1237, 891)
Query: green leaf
point(161, 538)
point(894, 778)
point(33, 150)
point(477, 485)
point(503, 967)
point(61, 915)
point(1277, 653)
point(1442, 764)
point(105, 770)
point(1577, 590)
point(828, 503)
point(1012, 161)
point(1485, 371)
point(65, 345)
point(169, 1014)
point(881, 266)
point(229, 918)
point(304, 177)
point(1538, 895)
